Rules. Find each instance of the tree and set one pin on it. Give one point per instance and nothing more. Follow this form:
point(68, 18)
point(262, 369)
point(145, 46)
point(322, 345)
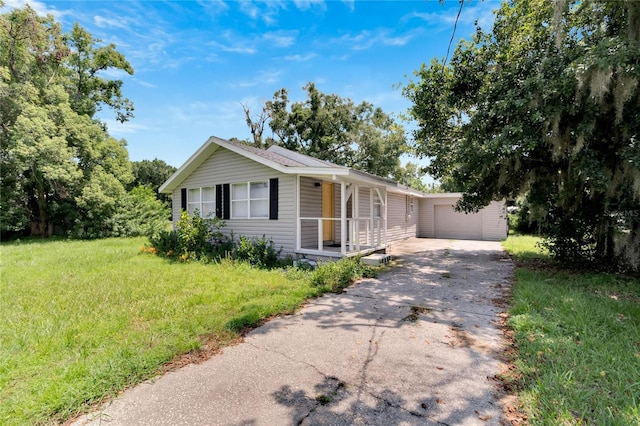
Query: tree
point(411, 175)
point(546, 105)
point(151, 174)
point(60, 170)
point(334, 129)
point(256, 125)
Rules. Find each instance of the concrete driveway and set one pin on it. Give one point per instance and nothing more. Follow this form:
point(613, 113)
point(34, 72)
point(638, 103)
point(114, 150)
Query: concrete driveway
point(417, 345)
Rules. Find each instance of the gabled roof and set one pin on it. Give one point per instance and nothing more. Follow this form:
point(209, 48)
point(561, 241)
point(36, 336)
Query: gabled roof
point(280, 159)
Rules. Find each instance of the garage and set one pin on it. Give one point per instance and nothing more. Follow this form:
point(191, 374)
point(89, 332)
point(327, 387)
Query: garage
point(438, 219)
point(449, 223)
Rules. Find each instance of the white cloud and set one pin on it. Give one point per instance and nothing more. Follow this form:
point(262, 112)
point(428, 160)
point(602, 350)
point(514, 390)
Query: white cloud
point(121, 130)
point(367, 39)
point(307, 4)
point(235, 43)
point(482, 12)
point(41, 8)
point(351, 4)
point(104, 22)
point(213, 7)
point(264, 77)
point(263, 11)
point(300, 58)
point(281, 38)
point(144, 83)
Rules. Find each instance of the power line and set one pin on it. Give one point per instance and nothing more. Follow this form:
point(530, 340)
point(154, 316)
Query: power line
point(455, 25)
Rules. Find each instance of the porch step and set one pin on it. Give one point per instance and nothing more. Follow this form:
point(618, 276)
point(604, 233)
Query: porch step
point(376, 259)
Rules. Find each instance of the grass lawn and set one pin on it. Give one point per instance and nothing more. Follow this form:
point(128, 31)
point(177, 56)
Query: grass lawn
point(579, 342)
point(81, 320)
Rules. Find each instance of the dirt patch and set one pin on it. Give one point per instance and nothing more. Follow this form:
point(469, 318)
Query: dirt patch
point(459, 338)
point(415, 313)
point(509, 375)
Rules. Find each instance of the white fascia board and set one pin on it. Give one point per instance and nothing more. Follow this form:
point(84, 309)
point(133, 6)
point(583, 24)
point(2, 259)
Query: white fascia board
point(444, 195)
point(408, 191)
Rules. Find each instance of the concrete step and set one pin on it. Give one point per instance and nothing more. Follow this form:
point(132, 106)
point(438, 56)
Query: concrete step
point(376, 259)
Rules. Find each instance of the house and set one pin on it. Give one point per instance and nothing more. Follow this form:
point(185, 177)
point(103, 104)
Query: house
point(312, 207)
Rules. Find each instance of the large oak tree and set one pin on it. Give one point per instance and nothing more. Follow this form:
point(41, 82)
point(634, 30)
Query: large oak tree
point(335, 129)
point(60, 169)
point(545, 105)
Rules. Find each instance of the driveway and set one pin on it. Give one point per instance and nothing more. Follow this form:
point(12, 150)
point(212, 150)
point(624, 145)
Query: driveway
point(417, 345)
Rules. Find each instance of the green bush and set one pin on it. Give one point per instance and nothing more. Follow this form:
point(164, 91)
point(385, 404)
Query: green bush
point(140, 213)
point(260, 252)
point(195, 237)
point(335, 276)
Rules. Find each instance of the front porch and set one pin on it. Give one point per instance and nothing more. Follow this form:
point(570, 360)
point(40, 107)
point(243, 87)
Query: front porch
point(340, 219)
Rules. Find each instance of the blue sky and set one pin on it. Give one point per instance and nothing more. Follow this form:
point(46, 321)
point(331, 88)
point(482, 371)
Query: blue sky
point(196, 62)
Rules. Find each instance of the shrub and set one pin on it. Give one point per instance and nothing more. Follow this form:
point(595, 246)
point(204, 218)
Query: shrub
point(260, 252)
point(194, 238)
point(335, 276)
point(140, 213)
point(166, 243)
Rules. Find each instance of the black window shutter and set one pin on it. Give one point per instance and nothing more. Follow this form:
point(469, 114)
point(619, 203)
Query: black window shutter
point(219, 201)
point(183, 199)
point(226, 201)
point(273, 199)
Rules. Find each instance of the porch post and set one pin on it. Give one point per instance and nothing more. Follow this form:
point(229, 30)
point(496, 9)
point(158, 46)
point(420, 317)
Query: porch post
point(297, 217)
point(385, 219)
point(343, 218)
point(356, 215)
point(372, 226)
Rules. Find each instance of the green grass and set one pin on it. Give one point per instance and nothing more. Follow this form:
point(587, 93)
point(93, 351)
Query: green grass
point(524, 247)
point(579, 343)
point(80, 321)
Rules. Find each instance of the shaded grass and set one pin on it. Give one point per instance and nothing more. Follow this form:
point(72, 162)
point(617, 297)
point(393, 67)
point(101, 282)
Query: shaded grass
point(83, 320)
point(578, 336)
point(525, 247)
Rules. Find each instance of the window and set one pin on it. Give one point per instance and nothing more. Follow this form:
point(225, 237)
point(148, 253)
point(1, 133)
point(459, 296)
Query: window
point(377, 206)
point(201, 199)
point(250, 200)
point(410, 209)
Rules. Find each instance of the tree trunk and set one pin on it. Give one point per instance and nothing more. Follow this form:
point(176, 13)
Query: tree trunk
point(40, 228)
point(605, 250)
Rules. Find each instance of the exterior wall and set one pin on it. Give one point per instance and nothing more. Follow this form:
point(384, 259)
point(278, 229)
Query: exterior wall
point(494, 217)
point(225, 166)
point(400, 224)
point(495, 226)
point(364, 211)
point(338, 212)
point(310, 206)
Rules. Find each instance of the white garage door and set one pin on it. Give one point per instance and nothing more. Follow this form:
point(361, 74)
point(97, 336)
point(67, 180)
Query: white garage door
point(449, 223)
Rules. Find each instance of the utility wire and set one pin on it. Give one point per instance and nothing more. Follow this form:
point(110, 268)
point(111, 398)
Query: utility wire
point(455, 25)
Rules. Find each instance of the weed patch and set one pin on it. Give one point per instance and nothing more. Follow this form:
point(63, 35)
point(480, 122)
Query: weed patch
point(336, 276)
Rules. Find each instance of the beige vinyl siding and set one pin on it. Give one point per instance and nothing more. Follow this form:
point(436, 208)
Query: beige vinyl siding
point(310, 206)
point(428, 208)
point(495, 227)
point(488, 224)
point(225, 166)
point(400, 225)
point(425, 218)
point(364, 211)
point(449, 223)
